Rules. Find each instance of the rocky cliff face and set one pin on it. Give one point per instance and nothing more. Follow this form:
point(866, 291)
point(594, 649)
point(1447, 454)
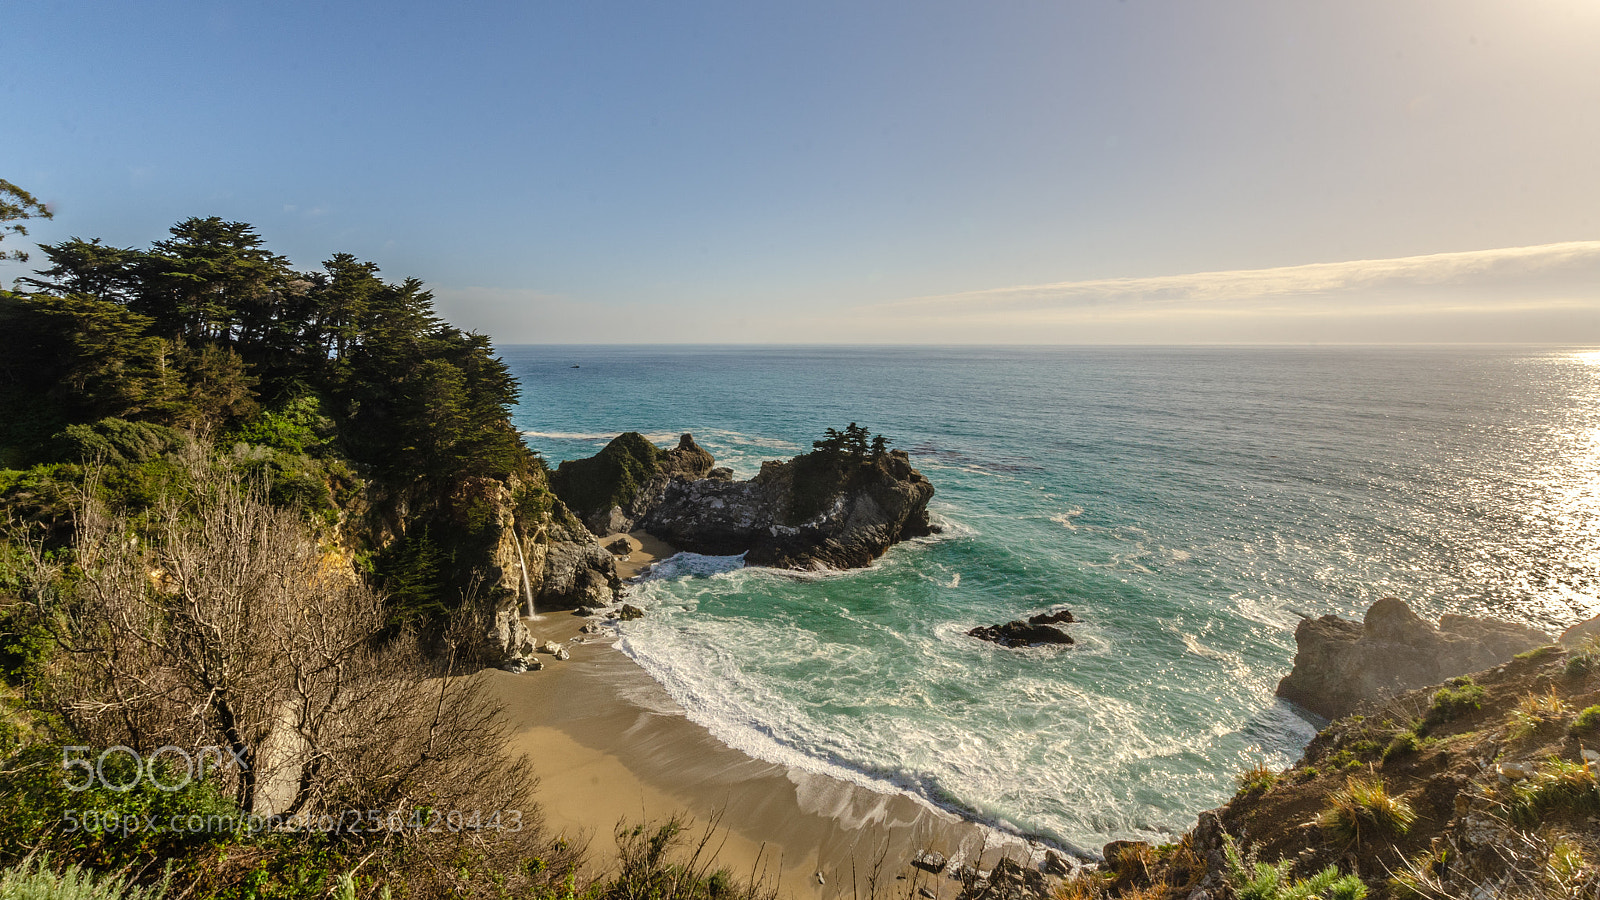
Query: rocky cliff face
point(614, 489)
point(1340, 665)
point(1485, 786)
point(513, 539)
point(817, 510)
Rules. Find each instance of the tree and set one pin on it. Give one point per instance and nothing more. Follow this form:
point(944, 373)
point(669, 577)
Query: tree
point(211, 281)
point(855, 440)
point(222, 623)
point(88, 267)
point(18, 206)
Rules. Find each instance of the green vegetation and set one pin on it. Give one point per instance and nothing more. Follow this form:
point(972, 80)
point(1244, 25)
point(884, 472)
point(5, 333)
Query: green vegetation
point(35, 879)
point(246, 506)
point(1254, 880)
point(1533, 712)
point(1257, 779)
point(1404, 743)
point(1557, 786)
point(1364, 807)
point(18, 206)
point(328, 386)
point(828, 470)
point(1458, 697)
point(611, 477)
point(1587, 721)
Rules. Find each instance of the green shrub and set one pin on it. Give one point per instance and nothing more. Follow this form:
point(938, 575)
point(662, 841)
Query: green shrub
point(1458, 697)
point(1587, 721)
point(116, 441)
point(300, 426)
point(34, 879)
point(42, 811)
point(1558, 785)
point(1253, 880)
point(1365, 808)
point(1404, 744)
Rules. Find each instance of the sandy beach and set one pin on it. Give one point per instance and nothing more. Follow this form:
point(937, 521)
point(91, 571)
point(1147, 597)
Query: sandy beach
point(609, 745)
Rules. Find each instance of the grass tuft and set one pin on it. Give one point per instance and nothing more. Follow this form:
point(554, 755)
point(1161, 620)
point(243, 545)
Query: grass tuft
point(1533, 712)
point(1458, 697)
point(1365, 808)
point(1257, 779)
point(1557, 786)
point(1587, 721)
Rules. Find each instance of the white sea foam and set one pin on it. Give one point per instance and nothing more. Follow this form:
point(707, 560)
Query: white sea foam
point(1065, 519)
point(597, 436)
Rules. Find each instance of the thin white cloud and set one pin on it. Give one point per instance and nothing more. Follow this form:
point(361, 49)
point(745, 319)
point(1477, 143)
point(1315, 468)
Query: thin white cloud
point(1245, 285)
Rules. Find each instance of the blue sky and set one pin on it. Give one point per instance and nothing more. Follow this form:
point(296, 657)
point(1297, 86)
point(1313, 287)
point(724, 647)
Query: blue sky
point(873, 172)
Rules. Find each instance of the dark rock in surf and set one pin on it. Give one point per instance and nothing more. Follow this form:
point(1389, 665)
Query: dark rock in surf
point(1054, 617)
point(1020, 634)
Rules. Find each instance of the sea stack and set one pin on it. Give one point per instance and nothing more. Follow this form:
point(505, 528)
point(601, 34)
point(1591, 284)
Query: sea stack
point(831, 508)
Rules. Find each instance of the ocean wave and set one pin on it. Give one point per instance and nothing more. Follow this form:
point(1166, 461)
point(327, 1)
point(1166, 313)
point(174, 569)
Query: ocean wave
point(705, 698)
point(598, 436)
point(691, 565)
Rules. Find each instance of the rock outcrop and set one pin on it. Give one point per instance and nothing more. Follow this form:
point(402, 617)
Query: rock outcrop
point(818, 510)
point(1581, 633)
point(1021, 634)
point(1340, 665)
point(612, 490)
point(505, 539)
point(564, 564)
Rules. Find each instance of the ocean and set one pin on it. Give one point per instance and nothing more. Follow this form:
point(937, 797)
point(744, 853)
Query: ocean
point(1189, 505)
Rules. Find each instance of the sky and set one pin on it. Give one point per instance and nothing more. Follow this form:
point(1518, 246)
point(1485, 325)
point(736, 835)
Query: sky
point(994, 171)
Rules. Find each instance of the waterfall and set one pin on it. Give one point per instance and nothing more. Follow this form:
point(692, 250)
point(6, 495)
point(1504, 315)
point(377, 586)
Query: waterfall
point(527, 589)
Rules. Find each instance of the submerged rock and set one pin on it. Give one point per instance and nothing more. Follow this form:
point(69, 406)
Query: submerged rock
point(630, 612)
point(1340, 665)
point(1021, 634)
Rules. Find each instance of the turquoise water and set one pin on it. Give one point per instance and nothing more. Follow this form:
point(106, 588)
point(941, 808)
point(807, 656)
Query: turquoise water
point(1188, 505)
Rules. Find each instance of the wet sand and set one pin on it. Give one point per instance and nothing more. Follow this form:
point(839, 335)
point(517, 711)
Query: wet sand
point(610, 746)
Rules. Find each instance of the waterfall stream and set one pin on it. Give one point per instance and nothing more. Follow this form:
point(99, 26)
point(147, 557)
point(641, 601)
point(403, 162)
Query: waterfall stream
point(527, 589)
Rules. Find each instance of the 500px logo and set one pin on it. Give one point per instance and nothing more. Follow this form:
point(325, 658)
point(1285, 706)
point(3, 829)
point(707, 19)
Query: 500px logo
point(161, 768)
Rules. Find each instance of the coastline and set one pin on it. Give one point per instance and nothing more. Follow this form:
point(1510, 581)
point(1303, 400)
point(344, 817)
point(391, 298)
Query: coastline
point(610, 746)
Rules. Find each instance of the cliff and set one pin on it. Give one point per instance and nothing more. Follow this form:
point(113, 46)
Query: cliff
point(1340, 665)
point(493, 532)
point(614, 489)
point(1482, 786)
point(822, 509)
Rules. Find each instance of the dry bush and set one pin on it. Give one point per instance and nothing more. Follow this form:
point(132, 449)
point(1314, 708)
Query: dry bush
point(219, 621)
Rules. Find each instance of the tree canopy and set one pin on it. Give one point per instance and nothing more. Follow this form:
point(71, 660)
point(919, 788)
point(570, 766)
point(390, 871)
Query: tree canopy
point(207, 325)
point(16, 207)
